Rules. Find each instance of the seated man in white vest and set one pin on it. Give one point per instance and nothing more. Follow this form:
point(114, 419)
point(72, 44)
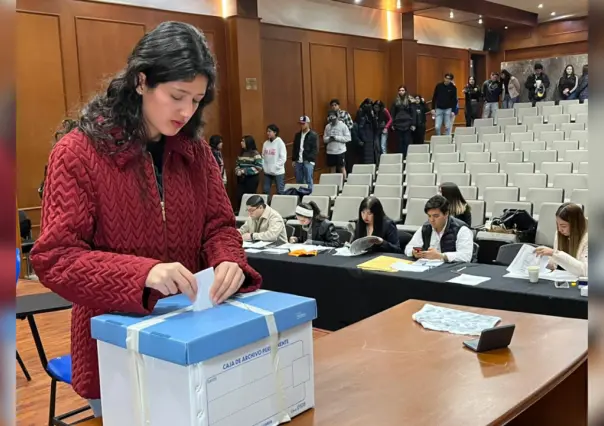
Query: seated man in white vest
point(264, 223)
point(442, 237)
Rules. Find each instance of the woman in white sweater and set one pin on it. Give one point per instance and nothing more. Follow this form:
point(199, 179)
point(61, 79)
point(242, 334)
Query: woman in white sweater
point(274, 155)
point(570, 242)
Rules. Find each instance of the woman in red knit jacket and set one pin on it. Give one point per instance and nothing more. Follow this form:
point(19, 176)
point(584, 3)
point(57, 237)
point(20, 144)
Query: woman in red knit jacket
point(133, 202)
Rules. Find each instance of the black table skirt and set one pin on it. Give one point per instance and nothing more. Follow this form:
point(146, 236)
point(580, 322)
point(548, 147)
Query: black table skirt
point(346, 294)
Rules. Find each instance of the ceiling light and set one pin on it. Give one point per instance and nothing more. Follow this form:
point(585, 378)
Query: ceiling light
point(398, 4)
point(540, 6)
point(451, 15)
point(553, 13)
point(480, 21)
point(357, 1)
point(506, 27)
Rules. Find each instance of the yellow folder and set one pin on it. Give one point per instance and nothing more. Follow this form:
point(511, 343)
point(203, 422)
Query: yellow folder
point(382, 263)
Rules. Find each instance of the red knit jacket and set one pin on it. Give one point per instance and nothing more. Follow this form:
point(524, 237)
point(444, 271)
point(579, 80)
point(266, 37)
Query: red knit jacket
point(103, 230)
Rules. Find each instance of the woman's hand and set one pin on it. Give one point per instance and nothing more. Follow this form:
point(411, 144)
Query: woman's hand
point(172, 278)
point(228, 279)
point(551, 266)
point(378, 241)
point(293, 240)
point(544, 251)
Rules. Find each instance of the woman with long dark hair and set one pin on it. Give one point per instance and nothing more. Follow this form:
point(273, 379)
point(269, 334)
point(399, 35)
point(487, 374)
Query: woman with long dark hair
point(216, 145)
point(570, 242)
point(473, 94)
point(568, 84)
point(419, 134)
point(319, 230)
point(134, 203)
point(373, 221)
point(458, 206)
point(368, 132)
point(384, 121)
point(404, 119)
point(248, 167)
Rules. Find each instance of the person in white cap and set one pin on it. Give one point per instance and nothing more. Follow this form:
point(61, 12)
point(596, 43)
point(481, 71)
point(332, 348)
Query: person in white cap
point(304, 152)
point(319, 230)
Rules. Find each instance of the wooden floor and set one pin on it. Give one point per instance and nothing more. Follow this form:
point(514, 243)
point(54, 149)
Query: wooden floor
point(33, 397)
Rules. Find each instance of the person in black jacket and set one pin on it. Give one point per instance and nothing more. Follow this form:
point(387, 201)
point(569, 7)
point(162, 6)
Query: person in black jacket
point(491, 91)
point(537, 85)
point(458, 206)
point(304, 152)
point(444, 102)
point(403, 119)
point(473, 94)
point(419, 134)
point(368, 132)
point(319, 230)
point(568, 84)
point(374, 222)
point(216, 145)
point(583, 90)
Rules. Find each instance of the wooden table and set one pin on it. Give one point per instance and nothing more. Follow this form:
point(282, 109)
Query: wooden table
point(389, 370)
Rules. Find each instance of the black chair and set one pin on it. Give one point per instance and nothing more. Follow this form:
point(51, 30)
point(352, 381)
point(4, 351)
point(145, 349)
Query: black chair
point(23, 367)
point(290, 231)
point(345, 235)
point(404, 238)
point(507, 253)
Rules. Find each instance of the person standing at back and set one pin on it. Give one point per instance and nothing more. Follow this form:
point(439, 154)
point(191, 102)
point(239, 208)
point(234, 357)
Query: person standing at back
point(537, 85)
point(473, 94)
point(583, 90)
point(403, 119)
point(444, 101)
point(274, 156)
point(216, 145)
point(304, 152)
point(384, 120)
point(568, 84)
point(491, 90)
point(511, 89)
point(335, 137)
point(419, 134)
point(248, 167)
point(134, 203)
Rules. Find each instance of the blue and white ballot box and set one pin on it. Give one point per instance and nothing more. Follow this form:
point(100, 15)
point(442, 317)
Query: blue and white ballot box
point(248, 361)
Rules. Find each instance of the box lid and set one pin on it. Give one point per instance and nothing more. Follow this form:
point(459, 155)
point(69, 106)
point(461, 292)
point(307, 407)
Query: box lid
point(188, 337)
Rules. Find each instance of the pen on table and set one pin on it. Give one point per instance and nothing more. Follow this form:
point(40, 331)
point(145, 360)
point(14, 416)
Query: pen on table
point(457, 271)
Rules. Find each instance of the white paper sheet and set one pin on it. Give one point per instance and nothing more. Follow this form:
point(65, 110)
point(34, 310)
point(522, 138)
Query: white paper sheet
point(558, 275)
point(256, 244)
point(429, 263)
point(253, 250)
point(346, 252)
point(205, 279)
point(526, 257)
point(361, 245)
point(466, 279)
point(275, 251)
point(409, 267)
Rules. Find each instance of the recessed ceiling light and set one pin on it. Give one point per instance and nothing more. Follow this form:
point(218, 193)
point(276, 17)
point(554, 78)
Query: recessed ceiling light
point(451, 15)
point(540, 6)
point(553, 13)
point(506, 27)
point(480, 21)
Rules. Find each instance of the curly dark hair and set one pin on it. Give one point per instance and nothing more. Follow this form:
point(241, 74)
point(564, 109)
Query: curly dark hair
point(173, 51)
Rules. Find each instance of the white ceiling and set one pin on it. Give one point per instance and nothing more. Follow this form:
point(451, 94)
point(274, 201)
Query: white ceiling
point(564, 9)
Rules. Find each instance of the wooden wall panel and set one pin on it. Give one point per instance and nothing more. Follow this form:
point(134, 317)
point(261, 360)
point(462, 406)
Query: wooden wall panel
point(559, 38)
point(327, 68)
point(103, 49)
point(40, 102)
point(283, 96)
point(428, 75)
point(369, 79)
point(76, 45)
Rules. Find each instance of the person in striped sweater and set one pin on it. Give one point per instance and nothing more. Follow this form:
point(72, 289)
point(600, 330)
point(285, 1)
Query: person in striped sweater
point(248, 167)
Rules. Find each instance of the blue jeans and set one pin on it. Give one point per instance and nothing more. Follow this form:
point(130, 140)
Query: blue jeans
point(279, 182)
point(384, 142)
point(304, 173)
point(443, 115)
point(509, 102)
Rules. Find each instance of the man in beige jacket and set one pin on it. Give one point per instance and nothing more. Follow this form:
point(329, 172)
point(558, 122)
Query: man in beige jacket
point(264, 223)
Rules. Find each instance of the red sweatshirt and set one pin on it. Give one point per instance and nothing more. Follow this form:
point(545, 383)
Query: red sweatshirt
point(103, 230)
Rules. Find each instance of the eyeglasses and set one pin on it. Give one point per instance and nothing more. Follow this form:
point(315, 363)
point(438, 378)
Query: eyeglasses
point(251, 210)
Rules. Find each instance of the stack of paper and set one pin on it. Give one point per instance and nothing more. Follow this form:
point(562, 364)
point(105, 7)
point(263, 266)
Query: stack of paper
point(382, 263)
point(256, 244)
point(466, 279)
point(454, 321)
point(527, 257)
